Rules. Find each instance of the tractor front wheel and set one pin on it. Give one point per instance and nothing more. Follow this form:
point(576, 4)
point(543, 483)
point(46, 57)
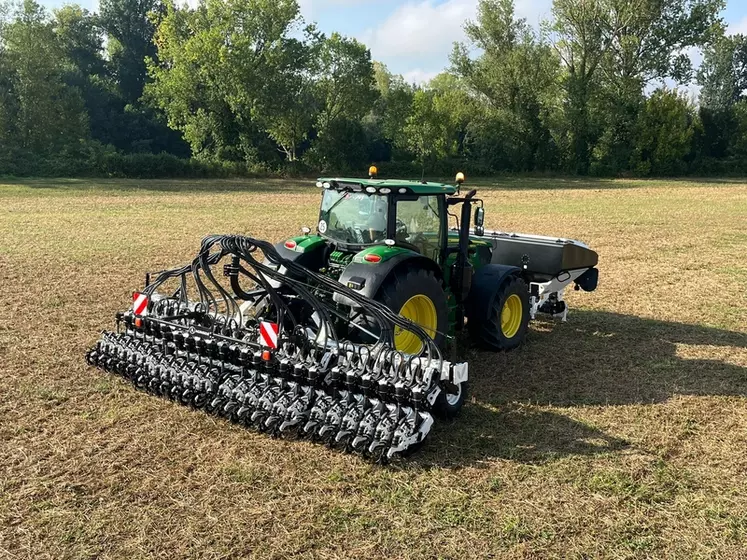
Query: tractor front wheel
point(417, 295)
point(507, 323)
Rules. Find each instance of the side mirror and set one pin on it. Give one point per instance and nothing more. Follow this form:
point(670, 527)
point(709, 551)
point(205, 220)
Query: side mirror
point(479, 221)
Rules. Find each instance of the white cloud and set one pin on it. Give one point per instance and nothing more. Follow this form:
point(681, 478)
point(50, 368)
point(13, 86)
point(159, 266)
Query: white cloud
point(534, 11)
point(417, 37)
point(420, 28)
point(307, 9)
point(737, 27)
point(312, 9)
point(419, 76)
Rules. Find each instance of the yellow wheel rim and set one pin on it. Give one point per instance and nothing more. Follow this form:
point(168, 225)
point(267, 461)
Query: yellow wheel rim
point(511, 315)
point(421, 310)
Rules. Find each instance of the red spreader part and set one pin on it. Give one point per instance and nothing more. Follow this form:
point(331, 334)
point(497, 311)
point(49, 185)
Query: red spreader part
point(268, 334)
point(139, 303)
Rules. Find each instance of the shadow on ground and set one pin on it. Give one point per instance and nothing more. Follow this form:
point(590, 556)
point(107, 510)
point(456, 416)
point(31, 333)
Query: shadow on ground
point(513, 182)
point(166, 185)
point(596, 359)
point(528, 182)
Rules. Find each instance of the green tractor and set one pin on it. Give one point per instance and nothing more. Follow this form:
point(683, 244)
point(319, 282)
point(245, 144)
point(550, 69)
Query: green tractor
point(339, 335)
point(413, 247)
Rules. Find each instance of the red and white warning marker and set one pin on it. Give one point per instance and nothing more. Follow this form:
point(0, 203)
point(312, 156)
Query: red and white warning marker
point(268, 334)
point(139, 303)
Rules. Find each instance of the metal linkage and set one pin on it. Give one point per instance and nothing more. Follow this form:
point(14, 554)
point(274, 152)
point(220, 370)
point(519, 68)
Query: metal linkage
point(287, 294)
point(548, 297)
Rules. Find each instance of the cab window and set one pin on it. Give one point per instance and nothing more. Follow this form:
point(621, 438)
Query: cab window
point(419, 225)
point(355, 218)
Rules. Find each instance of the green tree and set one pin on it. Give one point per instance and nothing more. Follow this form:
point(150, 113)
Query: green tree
point(344, 82)
point(8, 108)
point(738, 141)
point(723, 80)
point(456, 107)
point(723, 73)
point(580, 41)
point(646, 41)
point(130, 27)
point(46, 116)
point(425, 131)
point(289, 113)
point(386, 121)
point(436, 124)
point(610, 51)
point(81, 39)
point(343, 147)
point(664, 135)
point(223, 75)
point(516, 77)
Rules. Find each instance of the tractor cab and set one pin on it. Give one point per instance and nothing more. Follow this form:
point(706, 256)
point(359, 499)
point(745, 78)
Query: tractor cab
point(356, 214)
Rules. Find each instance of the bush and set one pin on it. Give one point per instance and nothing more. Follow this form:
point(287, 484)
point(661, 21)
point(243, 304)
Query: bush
point(92, 159)
point(664, 133)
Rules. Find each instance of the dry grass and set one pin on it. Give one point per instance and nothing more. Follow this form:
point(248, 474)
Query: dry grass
point(622, 434)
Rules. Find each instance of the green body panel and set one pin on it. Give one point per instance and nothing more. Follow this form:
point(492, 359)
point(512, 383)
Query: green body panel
point(305, 243)
point(413, 187)
point(473, 241)
point(383, 251)
point(477, 258)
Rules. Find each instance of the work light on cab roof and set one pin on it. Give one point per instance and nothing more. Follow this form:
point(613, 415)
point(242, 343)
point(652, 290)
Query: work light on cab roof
point(340, 335)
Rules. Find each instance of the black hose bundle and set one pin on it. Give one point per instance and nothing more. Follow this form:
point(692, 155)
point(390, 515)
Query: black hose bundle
point(288, 274)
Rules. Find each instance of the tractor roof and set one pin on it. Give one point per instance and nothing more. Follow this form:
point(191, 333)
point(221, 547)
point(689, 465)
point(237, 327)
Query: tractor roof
point(413, 187)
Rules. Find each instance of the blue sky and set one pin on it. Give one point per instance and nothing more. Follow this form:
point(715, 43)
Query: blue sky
point(414, 37)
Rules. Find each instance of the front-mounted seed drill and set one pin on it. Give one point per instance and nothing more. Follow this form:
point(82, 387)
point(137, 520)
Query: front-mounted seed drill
point(340, 336)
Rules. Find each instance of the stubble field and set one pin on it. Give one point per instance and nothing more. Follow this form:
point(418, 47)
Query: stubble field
point(621, 434)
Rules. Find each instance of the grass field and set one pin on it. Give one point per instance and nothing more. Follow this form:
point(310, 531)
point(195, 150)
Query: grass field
point(621, 434)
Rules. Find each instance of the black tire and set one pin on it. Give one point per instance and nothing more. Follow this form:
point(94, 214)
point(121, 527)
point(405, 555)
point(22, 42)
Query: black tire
point(488, 332)
point(396, 291)
point(450, 401)
point(405, 283)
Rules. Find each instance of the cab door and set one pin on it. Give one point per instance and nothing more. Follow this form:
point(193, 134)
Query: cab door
point(419, 224)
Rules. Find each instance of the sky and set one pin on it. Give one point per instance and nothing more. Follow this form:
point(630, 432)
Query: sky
point(414, 37)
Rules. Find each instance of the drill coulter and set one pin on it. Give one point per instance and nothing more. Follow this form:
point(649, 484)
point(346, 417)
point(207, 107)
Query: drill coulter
point(282, 358)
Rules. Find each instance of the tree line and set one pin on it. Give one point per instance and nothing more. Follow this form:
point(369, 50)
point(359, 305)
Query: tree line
point(152, 88)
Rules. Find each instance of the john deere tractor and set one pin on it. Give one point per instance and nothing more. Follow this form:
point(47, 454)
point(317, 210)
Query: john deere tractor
point(339, 335)
point(411, 246)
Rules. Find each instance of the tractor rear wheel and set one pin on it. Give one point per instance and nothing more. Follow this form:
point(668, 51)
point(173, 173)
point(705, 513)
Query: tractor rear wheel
point(506, 326)
point(417, 295)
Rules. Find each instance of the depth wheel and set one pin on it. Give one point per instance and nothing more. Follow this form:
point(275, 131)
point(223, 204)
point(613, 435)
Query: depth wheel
point(450, 400)
point(508, 322)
